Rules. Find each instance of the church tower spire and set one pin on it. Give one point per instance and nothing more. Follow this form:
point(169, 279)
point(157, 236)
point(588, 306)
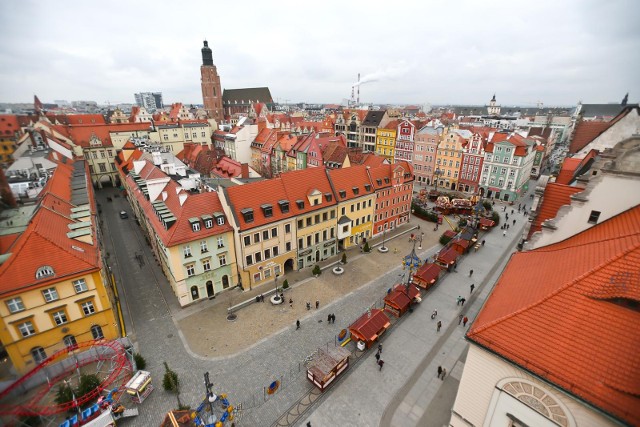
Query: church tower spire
point(211, 87)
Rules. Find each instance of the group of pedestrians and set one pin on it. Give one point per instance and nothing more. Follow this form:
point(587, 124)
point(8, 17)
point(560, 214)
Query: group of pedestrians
point(379, 360)
point(331, 318)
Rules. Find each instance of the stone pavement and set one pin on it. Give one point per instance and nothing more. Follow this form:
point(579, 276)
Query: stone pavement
point(407, 392)
point(154, 321)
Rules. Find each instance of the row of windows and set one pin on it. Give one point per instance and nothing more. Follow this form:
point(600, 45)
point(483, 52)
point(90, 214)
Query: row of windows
point(330, 234)
point(309, 221)
point(186, 249)
point(103, 154)
point(265, 235)
point(39, 354)
point(59, 317)
point(267, 273)
point(357, 206)
point(16, 305)
point(392, 212)
point(102, 167)
point(208, 223)
point(268, 253)
point(206, 265)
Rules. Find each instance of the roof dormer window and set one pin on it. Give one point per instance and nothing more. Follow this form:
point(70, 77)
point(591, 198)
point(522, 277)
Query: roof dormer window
point(342, 193)
point(356, 190)
point(44, 271)
point(328, 196)
point(300, 204)
point(386, 180)
point(284, 206)
point(247, 214)
point(195, 224)
point(367, 187)
point(267, 210)
point(379, 181)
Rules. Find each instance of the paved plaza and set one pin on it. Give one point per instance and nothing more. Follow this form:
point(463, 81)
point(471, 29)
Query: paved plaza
point(262, 344)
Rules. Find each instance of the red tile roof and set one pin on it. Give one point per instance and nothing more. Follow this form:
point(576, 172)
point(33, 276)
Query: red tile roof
point(9, 125)
point(427, 274)
point(560, 312)
point(568, 169)
point(555, 196)
point(347, 179)
point(448, 256)
point(585, 133)
point(398, 298)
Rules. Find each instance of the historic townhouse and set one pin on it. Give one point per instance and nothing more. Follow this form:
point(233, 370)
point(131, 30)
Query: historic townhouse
point(472, 160)
point(386, 140)
point(309, 150)
point(449, 159)
point(404, 141)
point(348, 124)
point(264, 221)
point(10, 132)
point(507, 166)
point(393, 185)
point(54, 286)
point(188, 232)
point(356, 199)
point(261, 148)
point(424, 159)
point(316, 219)
point(369, 128)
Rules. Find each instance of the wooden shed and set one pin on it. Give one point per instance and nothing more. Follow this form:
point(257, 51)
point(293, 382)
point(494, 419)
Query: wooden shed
point(370, 326)
point(397, 302)
point(447, 257)
point(460, 245)
point(327, 366)
point(427, 275)
point(486, 223)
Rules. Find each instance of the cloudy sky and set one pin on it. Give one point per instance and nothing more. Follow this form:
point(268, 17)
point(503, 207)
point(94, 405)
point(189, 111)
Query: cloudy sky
point(411, 52)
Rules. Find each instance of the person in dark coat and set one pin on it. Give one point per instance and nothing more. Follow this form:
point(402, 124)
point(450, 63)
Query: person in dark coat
point(381, 363)
point(439, 371)
point(297, 324)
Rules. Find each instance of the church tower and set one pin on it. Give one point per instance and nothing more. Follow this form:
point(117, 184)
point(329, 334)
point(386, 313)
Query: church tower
point(211, 88)
point(493, 109)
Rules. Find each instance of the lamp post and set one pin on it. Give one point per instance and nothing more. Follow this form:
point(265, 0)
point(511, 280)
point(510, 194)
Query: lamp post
point(411, 262)
point(275, 281)
point(420, 240)
point(210, 396)
point(437, 173)
point(384, 233)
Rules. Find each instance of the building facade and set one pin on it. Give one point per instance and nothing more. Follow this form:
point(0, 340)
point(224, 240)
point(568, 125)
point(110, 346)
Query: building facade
point(211, 87)
point(393, 186)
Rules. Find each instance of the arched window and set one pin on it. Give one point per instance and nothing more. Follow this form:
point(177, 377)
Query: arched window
point(96, 332)
point(44, 271)
point(38, 354)
point(70, 341)
point(194, 293)
point(539, 400)
point(225, 281)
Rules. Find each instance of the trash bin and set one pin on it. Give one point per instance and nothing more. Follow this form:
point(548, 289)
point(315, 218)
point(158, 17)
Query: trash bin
point(361, 346)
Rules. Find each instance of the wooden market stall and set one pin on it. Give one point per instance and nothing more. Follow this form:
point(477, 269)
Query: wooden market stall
point(447, 257)
point(450, 234)
point(427, 275)
point(486, 223)
point(397, 302)
point(139, 387)
point(327, 366)
point(460, 245)
point(370, 326)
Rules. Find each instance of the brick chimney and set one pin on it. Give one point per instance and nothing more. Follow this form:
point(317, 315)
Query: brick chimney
point(244, 170)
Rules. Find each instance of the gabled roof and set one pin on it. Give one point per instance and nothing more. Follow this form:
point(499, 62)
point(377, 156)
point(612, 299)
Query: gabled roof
point(346, 179)
point(567, 313)
point(369, 325)
point(585, 133)
point(246, 95)
point(399, 298)
point(8, 125)
point(428, 273)
point(373, 118)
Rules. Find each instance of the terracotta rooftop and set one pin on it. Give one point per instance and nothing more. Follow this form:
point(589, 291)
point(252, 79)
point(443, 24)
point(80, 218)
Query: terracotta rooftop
point(369, 326)
point(585, 133)
point(567, 313)
point(555, 196)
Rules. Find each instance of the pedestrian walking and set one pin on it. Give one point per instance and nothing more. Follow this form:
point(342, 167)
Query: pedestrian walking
point(379, 348)
point(377, 357)
point(439, 325)
point(465, 320)
point(291, 302)
point(458, 299)
point(444, 373)
point(381, 363)
point(470, 272)
point(472, 287)
point(507, 226)
point(483, 243)
point(504, 233)
point(514, 222)
point(459, 319)
point(511, 211)
point(462, 301)
point(333, 318)
point(308, 305)
point(297, 324)
point(329, 318)
point(507, 216)
point(308, 423)
point(439, 371)
point(317, 304)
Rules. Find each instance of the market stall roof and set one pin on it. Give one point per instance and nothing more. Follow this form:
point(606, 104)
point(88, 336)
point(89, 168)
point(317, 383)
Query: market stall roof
point(368, 326)
point(486, 222)
point(428, 273)
point(448, 256)
point(413, 290)
point(398, 298)
point(461, 242)
point(449, 233)
point(326, 360)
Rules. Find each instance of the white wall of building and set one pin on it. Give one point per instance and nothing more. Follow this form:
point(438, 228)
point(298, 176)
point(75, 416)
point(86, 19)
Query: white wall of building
point(626, 127)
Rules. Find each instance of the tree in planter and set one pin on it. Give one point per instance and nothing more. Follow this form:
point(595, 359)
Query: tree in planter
point(64, 394)
point(141, 363)
point(171, 383)
point(344, 257)
point(366, 248)
point(285, 284)
point(316, 270)
point(88, 383)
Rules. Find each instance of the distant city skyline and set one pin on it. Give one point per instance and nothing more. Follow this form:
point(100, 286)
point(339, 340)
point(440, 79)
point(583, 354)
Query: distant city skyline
point(556, 53)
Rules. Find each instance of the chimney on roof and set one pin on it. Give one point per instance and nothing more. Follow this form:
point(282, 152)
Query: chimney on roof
point(244, 170)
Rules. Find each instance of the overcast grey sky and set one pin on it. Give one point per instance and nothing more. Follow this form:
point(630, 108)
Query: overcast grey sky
point(556, 52)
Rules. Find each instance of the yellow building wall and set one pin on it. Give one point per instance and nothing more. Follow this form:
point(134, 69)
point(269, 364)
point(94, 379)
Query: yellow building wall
point(385, 143)
point(49, 335)
point(363, 216)
point(449, 158)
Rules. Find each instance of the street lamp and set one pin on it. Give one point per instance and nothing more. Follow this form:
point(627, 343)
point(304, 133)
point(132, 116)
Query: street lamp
point(210, 396)
point(276, 284)
point(420, 237)
point(384, 233)
point(437, 173)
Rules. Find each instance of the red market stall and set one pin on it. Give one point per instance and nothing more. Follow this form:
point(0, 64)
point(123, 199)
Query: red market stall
point(370, 326)
point(397, 302)
point(486, 223)
point(327, 366)
point(427, 275)
point(450, 234)
point(447, 257)
point(460, 245)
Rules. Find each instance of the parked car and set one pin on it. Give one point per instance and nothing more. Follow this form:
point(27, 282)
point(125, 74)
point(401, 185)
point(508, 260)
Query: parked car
point(124, 215)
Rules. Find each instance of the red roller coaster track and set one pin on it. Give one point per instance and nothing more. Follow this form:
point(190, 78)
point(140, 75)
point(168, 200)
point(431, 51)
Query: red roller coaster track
point(35, 407)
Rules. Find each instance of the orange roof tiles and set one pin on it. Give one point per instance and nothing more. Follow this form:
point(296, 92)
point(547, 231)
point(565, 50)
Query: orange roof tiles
point(568, 169)
point(555, 196)
point(346, 179)
point(369, 325)
point(565, 312)
point(585, 133)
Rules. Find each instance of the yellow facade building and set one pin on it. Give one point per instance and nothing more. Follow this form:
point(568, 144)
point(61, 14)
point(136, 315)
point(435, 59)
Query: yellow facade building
point(386, 140)
point(448, 160)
